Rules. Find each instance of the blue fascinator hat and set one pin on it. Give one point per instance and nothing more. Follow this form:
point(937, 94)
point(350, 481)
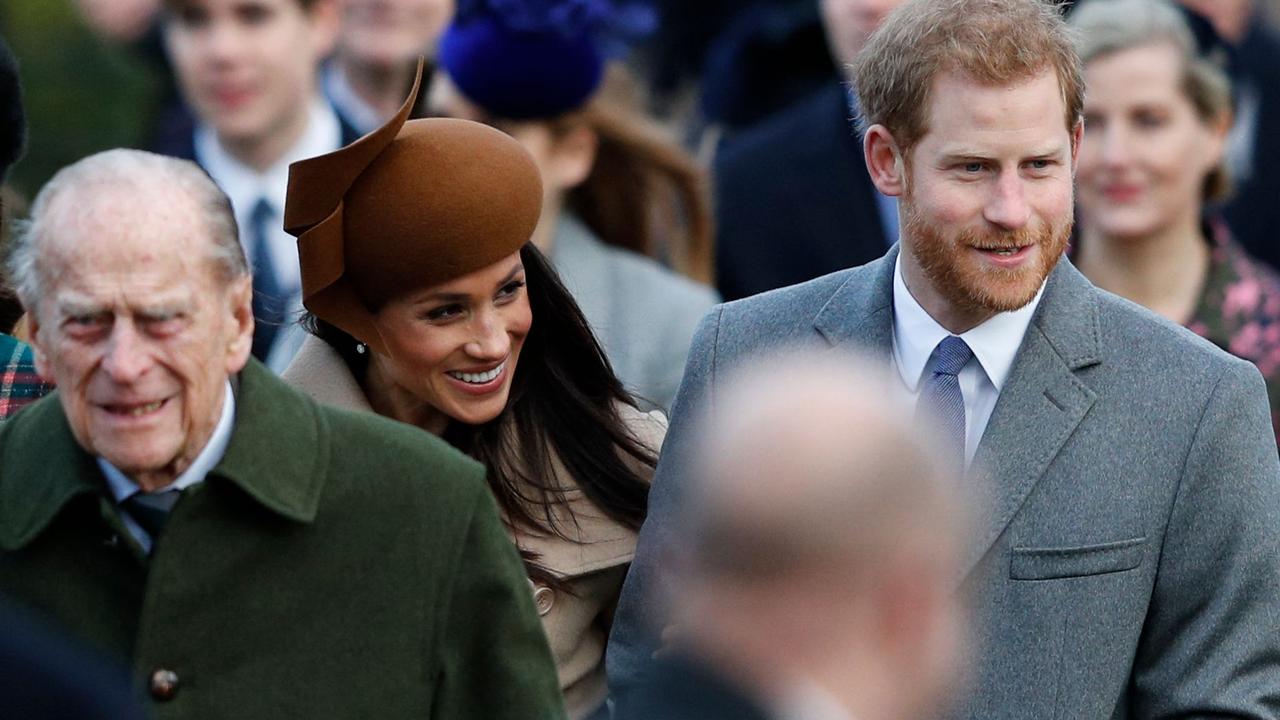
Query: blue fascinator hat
point(531, 59)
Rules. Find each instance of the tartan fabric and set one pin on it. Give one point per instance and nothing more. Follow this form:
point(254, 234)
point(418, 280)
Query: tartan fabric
point(20, 385)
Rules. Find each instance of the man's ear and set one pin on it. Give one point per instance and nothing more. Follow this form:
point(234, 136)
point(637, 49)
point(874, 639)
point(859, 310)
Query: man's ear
point(239, 333)
point(326, 23)
point(1077, 134)
point(885, 162)
point(37, 343)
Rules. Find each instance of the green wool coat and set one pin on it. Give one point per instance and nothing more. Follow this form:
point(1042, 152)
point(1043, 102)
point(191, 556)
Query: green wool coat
point(332, 565)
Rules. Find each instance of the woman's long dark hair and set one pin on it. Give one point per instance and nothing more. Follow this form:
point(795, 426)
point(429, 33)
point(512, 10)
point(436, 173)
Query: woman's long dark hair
point(564, 404)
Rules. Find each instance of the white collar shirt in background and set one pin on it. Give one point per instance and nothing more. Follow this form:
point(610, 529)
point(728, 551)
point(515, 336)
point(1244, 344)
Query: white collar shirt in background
point(810, 701)
point(245, 185)
point(362, 116)
point(994, 344)
point(122, 488)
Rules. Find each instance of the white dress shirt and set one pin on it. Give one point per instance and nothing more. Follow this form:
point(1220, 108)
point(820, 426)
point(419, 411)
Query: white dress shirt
point(810, 701)
point(122, 488)
point(994, 344)
point(245, 186)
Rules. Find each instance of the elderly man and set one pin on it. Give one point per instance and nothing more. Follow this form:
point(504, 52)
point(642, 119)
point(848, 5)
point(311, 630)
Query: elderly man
point(254, 554)
point(816, 565)
point(1128, 557)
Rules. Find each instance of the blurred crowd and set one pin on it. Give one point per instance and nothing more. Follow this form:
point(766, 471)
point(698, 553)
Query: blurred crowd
point(579, 249)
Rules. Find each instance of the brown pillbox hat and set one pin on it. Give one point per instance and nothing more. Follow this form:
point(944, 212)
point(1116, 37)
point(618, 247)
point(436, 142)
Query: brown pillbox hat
point(412, 204)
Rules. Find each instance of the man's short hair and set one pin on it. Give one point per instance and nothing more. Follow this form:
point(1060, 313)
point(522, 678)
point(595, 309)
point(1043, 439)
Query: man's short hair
point(13, 126)
point(993, 42)
point(123, 168)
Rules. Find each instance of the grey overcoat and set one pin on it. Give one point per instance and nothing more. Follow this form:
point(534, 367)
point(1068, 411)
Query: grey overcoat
point(642, 313)
point(1127, 564)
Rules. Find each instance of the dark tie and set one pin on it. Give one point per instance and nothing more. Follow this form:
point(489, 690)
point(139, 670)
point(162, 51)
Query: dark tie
point(151, 510)
point(941, 394)
point(268, 296)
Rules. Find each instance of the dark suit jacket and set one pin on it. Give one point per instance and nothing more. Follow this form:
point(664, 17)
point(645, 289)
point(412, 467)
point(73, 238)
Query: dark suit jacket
point(44, 676)
point(332, 565)
point(175, 134)
point(793, 199)
point(1126, 562)
point(684, 688)
point(1253, 213)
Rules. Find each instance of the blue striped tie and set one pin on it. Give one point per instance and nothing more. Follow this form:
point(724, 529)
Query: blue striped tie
point(151, 510)
point(268, 297)
point(941, 394)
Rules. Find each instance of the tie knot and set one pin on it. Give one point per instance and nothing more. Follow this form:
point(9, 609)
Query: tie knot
point(951, 355)
point(151, 510)
point(262, 211)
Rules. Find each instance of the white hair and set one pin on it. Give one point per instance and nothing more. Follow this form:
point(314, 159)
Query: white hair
point(141, 172)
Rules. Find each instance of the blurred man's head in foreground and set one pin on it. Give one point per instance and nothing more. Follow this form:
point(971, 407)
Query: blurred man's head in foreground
point(820, 548)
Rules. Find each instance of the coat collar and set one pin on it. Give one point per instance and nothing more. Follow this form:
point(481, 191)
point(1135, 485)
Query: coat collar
point(321, 373)
point(276, 455)
point(592, 541)
point(860, 311)
point(1041, 404)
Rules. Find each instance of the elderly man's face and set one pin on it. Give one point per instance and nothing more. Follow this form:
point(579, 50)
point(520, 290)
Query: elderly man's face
point(138, 329)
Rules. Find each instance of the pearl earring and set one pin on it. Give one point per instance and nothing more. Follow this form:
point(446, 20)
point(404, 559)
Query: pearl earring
point(361, 348)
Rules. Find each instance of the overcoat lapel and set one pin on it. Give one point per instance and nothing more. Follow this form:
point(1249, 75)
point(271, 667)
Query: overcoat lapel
point(859, 314)
point(1040, 406)
point(1042, 401)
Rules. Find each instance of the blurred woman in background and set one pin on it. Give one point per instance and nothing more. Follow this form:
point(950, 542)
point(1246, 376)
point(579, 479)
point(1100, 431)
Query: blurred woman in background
point(1157, 114)
point(622, 204)
point(430, 306)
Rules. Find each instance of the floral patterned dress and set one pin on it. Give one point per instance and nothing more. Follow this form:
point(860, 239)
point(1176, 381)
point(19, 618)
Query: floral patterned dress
point(1239, 311)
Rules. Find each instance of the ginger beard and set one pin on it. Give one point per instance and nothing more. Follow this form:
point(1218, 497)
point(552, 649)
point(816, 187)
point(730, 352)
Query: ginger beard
point(962, 278)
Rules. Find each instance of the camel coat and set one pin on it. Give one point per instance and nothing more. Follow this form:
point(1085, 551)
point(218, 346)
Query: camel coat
point(593, 563)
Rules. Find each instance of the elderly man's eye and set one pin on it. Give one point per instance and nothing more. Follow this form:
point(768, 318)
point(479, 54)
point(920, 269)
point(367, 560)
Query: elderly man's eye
point(166, 324)
point(85, 325)
point(86, 320)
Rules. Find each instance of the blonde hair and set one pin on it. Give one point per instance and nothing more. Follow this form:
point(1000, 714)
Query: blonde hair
point(1109, 27)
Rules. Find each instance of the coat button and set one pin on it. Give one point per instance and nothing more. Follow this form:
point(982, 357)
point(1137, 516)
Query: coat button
point(543, 598)
point(164, 684)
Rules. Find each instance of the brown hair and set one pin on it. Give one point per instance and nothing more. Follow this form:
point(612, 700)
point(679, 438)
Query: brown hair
point(995, 42)
point(1104, 28)
point(644, 193)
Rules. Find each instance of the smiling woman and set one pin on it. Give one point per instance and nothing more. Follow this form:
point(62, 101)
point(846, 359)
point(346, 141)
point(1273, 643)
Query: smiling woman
point(1157, 113)
point(430, 306)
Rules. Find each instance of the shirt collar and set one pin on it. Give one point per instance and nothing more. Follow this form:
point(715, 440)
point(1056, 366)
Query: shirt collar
point(994, 343)
point(807, 700)
point(245, 185)
point(44, 467)
point(122, 487)
point(364, 117)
